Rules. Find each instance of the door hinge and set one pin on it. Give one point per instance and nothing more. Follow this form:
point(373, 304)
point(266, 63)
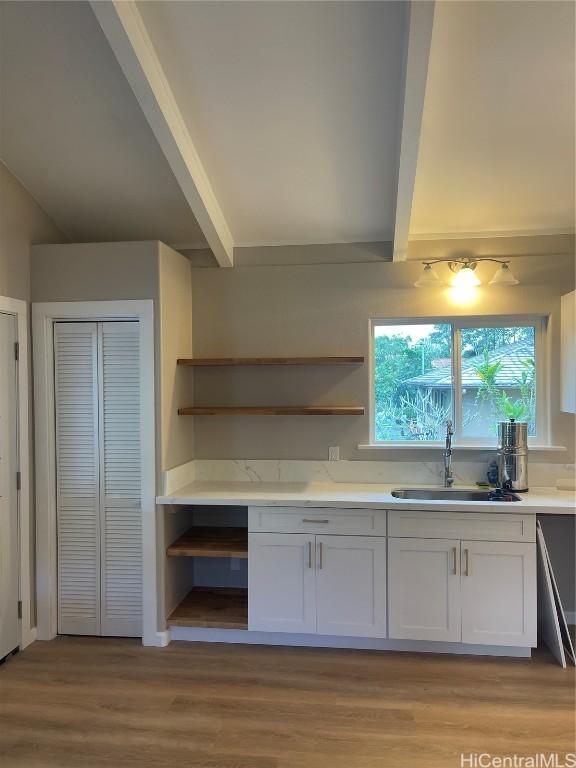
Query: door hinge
point(19, 609)
point(16, 350)
point(18, 480)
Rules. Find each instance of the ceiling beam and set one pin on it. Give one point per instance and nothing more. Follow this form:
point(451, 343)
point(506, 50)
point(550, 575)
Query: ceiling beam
point(417, 55)
point(128, 37)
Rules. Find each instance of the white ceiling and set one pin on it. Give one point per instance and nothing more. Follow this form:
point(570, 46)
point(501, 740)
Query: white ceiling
point(497, 143)
point(72, 131)
point(281, 123)
point(293, 108)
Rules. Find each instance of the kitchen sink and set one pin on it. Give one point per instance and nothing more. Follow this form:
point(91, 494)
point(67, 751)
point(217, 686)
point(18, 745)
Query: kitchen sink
point(453, 494)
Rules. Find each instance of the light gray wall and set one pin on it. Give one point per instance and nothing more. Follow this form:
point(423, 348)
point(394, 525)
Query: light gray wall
point(133, 270)
point(95, 271)
point(325, 310)
point(560, 534)
point(22, 222)
point(177, 432)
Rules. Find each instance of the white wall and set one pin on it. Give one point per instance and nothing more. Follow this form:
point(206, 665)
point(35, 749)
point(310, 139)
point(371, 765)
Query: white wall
point(324, 309)
point(175, 286)
point(22, 222)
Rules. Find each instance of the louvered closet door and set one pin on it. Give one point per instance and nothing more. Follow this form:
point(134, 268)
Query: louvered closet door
point(120, 484)
point(97, 386)
point(77, 458)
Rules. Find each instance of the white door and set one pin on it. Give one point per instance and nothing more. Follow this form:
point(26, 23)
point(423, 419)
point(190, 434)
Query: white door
point(351, 586)
point(281, 582)
point(9, 550)
point(120, 479)
point(424, 589)
point(97, 396)
point(499, 593)
point(77, 477)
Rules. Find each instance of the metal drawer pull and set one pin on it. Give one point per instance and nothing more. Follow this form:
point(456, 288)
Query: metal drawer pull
point(309, 554)
point(320, 556)
point(307, 520)
point(454, 567)
point(467, 556)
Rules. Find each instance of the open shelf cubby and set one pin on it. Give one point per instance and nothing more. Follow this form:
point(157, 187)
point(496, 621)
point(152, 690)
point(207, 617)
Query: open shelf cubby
point(207, 567)
point(211, 542)
point(219, 607)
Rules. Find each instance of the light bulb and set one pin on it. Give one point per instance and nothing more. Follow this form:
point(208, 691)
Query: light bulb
point(465, 278)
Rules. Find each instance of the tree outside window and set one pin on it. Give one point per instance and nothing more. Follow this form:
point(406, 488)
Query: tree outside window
point(414, 383)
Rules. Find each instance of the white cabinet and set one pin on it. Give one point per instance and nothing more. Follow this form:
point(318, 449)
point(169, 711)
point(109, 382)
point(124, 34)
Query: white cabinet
point(568, 353)
point(479, 592)
point(424, 591)
point(281, 582)
point(475, 585)
point(498, 593)
point(329, 585)
point(351, 586)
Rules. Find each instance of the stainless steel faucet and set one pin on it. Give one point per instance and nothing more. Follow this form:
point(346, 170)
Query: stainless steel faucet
point(448, 479)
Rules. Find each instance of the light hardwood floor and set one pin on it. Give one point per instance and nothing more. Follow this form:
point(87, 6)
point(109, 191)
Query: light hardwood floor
point(81, 703)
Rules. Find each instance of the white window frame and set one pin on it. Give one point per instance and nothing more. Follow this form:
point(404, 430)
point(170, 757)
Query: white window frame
point(542, 365)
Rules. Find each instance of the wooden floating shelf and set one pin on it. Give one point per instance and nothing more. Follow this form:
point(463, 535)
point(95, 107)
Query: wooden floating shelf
point(211, 542)
point(212, 607)
point(214, 361)
point(279, 410)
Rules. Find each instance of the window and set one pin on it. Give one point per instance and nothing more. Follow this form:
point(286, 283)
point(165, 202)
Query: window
point(472, 371)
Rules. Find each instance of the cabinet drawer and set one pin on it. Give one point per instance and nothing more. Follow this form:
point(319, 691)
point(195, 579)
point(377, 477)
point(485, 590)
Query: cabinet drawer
point(473, 526)
point(317, 520)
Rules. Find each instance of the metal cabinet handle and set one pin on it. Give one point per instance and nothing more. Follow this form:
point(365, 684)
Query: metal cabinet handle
point(307, 520)
point(309, 554)
point(320, 556)
point(467, 556)
point(454, 566)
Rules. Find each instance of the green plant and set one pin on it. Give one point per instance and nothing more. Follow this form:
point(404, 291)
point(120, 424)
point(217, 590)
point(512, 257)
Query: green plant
point(500, 403)
point(516, 410)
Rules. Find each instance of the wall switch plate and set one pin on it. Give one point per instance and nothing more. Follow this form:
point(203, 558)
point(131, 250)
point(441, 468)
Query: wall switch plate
point(234, 563)
point(334, 453)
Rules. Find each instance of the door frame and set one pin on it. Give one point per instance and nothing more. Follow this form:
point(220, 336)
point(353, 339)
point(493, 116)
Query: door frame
point(44, 315)
point(19, 310)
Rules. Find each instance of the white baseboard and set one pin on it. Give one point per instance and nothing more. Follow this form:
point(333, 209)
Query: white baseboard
point(157, 639)
point(28, 637)
point(199, 635)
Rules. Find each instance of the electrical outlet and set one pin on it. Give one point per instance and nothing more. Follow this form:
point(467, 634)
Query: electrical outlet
point(334, 453)
point(234, 563)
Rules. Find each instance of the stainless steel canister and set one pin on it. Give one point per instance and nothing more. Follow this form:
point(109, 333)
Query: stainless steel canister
point(513, 455)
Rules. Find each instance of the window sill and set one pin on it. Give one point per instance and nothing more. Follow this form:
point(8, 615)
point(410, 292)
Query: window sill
point(439, 446)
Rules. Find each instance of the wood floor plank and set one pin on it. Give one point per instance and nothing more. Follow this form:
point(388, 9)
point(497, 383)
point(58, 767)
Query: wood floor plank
point(110, 703)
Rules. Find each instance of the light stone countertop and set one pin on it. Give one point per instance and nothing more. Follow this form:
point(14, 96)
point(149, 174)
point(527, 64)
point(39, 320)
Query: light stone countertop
point(541, 501)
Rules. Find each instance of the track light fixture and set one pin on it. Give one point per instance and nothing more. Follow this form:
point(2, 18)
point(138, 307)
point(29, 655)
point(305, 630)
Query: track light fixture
point(464, 270)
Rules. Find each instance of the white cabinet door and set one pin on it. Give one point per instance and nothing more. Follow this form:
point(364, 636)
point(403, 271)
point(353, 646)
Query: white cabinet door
point(351, 586)
point(498, 593)
point(424, 589)
point(281, 582)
